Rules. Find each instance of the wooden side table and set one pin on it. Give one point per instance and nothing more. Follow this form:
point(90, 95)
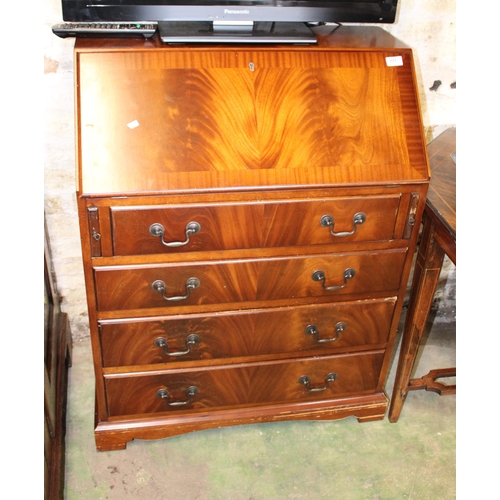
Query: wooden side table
point(438, 239)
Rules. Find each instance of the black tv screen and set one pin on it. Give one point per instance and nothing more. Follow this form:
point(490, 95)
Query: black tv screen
point(334, 11)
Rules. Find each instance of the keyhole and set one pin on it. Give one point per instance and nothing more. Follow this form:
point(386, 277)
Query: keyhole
point(252, 66)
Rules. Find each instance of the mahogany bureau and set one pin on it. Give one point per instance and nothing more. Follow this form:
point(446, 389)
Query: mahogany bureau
point(248, 219)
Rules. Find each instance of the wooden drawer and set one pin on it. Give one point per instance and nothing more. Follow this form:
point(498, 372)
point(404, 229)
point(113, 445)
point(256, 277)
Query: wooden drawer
point(248, 333)
point(222, 282)
point(251, 225)
point(249, 384)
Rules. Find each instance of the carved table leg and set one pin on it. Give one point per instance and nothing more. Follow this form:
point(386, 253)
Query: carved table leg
point(425, 279)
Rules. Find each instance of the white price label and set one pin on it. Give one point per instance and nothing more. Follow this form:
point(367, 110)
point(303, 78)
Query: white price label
point(394, 61)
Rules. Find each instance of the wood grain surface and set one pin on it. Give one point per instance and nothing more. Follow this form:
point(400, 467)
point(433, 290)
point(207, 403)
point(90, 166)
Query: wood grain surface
point(130, 287)
point(442, 195)
point(252, 225)
point(257, 332)
point(208, 120)
point(252, 384)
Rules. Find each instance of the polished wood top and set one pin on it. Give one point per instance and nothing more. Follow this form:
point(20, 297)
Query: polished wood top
point(154, 118)
point(441, 197)
point(343, 37)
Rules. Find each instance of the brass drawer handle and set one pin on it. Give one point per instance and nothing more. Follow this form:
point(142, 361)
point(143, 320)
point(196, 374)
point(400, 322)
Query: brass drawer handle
point(191, 391)
point(327, 221)
point(190, 340)
point(349, 273)
point(312, 330)
point(158, 231)
point(331, 377)
point(191, 284)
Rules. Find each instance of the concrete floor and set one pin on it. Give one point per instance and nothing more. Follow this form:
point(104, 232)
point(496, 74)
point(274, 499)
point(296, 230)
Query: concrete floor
point(344, 460)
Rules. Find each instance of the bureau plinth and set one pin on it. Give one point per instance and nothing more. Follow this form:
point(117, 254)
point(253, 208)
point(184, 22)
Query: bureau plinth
point(248, 222)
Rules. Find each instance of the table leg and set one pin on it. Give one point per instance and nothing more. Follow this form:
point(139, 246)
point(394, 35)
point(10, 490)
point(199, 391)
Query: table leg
point(425, 279)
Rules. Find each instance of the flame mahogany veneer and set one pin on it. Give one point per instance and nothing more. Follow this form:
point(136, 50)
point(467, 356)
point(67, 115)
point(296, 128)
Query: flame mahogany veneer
point(248, 219)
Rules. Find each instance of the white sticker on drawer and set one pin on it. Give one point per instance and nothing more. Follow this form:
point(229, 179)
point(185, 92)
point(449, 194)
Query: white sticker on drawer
point(133, 124)
point(394, 61)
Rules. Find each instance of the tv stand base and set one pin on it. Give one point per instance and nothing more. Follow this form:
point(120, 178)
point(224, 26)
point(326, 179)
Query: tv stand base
point(260, 32)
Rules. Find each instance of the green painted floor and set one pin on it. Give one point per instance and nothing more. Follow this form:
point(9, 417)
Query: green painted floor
point(345, 460)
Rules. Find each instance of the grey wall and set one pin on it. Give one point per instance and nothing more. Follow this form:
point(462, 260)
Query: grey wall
point(425, 25)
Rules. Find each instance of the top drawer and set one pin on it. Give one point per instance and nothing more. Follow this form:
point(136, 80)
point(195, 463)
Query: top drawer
point(219, 226)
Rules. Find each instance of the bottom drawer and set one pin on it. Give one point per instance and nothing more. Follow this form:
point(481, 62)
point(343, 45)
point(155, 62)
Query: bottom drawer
point(306, 379)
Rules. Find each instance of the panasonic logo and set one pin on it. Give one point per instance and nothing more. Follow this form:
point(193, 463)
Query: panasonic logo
point(241, 11)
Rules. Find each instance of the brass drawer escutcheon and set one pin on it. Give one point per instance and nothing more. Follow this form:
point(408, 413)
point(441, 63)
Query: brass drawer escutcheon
point(331, 377)
point(191, 284)
point(327, 221)
point(312, 330)
point(191, 391)
point(190, 340)
point(349, 273)
point(158, 231)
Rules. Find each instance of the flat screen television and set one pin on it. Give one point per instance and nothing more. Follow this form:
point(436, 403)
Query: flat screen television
point(232, 20)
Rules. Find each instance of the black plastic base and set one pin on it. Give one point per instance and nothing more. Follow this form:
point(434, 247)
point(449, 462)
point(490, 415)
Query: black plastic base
point(260, 32)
